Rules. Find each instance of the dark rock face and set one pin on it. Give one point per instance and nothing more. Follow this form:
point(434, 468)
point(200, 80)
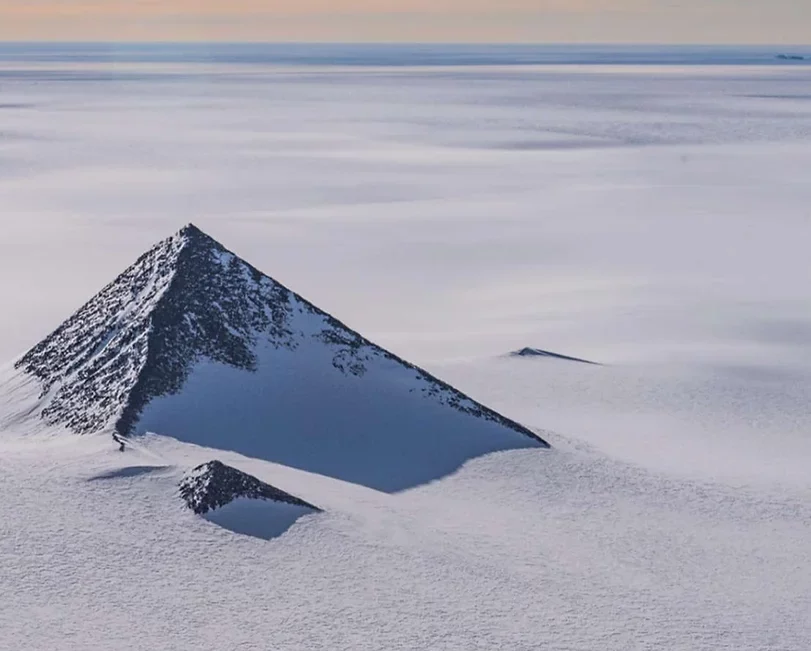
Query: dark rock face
point(215, 308)
point(537, 352)
point(186, 300)
point(213, 485)
point(94, 357)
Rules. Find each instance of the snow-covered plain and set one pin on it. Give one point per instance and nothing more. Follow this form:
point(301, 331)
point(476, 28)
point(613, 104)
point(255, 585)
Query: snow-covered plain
point(652, 219)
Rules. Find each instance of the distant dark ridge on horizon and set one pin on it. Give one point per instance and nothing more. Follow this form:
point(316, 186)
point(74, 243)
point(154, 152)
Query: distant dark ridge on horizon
point(402, 54)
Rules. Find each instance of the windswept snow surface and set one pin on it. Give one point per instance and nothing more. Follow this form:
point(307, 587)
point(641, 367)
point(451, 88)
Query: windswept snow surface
point(653, 219)
point(562, 549)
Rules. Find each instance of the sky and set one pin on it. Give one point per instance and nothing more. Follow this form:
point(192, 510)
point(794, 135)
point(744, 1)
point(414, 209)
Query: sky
point(599, 21)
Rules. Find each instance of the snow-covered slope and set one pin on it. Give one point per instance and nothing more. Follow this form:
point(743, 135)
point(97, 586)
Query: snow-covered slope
point(457, 215)
point(195, 343)
point(522, 550)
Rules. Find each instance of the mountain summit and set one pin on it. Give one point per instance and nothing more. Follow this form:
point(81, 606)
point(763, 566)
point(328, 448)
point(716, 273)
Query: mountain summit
point(193, 342)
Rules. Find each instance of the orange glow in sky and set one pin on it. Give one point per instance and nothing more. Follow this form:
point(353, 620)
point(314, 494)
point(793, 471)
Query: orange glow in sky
point(661, 21)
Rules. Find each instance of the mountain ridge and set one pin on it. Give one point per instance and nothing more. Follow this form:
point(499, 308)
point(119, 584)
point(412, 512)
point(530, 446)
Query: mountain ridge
point(186, 249)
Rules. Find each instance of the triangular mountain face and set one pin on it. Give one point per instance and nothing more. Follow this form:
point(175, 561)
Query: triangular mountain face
point(240, 502)
point(194, 343)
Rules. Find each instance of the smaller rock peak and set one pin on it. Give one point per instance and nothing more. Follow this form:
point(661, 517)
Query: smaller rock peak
point(537, 352)
point(217, 469)
point(213, 485)
point(214, 466)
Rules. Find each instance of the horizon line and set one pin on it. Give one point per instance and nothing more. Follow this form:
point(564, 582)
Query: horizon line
point(402, 43)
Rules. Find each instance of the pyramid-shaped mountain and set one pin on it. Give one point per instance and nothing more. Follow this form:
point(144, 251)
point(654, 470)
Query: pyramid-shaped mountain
point(194, 343)
point(240, 502)
point(213, 485)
